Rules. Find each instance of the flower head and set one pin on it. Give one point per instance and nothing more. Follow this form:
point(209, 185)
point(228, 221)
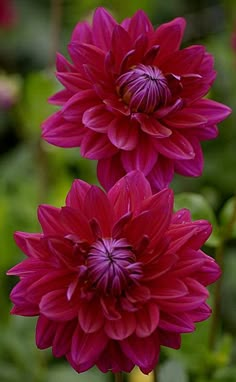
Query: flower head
point(114, 276)
point(133, 100)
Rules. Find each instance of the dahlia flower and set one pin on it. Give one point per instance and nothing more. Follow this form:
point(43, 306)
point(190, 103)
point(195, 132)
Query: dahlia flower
point(133, 100)
point(114, 276)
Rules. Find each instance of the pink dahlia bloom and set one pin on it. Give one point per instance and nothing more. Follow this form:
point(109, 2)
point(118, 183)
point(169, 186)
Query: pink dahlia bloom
point(114, 276)
point(133, 100)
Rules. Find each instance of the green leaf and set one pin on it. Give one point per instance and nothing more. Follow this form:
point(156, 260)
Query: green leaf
point(200, 209)
point(226, 215)
point(173, 371)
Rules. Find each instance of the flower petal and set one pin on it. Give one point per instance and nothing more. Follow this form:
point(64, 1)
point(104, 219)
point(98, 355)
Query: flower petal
point(177, 146)
point(97, 206)
point(49, 219)
point(82, 33)
point(74, 109)
point(97, 146)
point(87, 312)
point(87, 347)
point(144, 352)
point(142, 158)
point(152, 126)
point(45, 332)
point(114, 360)
point(213, 111)
point(162, 173)
point(123, 133)
point(76, 195)
point(63, 337)
point(169, 37)
point(121, 328)
point(109, 171)
point(55, 305)
point(103, 25)
point(127, 194)
point(97, 118)
point(176, 323)
point(139, 24)
point(147, 320)
point(191, 167)
point(60, 132)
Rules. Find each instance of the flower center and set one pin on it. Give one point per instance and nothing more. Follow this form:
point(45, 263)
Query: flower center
point(144, 88)
point(112, 265)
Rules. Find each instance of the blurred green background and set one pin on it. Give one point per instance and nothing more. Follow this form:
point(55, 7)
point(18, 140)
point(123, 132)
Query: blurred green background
point(32, 172)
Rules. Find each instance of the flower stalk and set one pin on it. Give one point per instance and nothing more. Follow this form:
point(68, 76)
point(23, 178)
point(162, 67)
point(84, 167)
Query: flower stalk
point(118, 377)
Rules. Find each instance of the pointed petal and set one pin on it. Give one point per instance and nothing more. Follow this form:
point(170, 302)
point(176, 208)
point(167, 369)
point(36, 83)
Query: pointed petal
point(87, 347)
point(30, 244)
point(120, 46)
point(152, 126)
point(122, 328)
point(74, 109)
point(177, 146)
point(147, 320)
point(45, 332)
point(162, 174)
point(114, 360)
point(142, 158)
point(77, 223)
point(176, 323)
point(97, 206)
point(90, 316)
point(63, 65)
point(144, 352)
point(49, 219)
point(59, 132)
point(63, 337)
point(97, 146)
point(60, 98)
point(76, 195)
point(187, 60)
point(109, 171)
point(82, 33)
point(146, 223)
point(55, 305)
point(181, 216)
point(86, 54)
point(191, 167)
point(185, 119)
point(97, 118)
point(139, 24)
point(169, 37)
point(193, 234)
point(171, 340)
point(123, 133)
point(171, 289)
point(103, 25)
point(213, 111)
point(127, 194)
point(73, 81)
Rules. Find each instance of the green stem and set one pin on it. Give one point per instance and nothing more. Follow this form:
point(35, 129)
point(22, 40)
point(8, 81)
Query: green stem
point(226, 234)
point(118, 377)
point(56, 15)
point(155, 374)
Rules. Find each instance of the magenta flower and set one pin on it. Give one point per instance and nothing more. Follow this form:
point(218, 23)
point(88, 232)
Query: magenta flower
point(133, 100)
point(114, 276)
